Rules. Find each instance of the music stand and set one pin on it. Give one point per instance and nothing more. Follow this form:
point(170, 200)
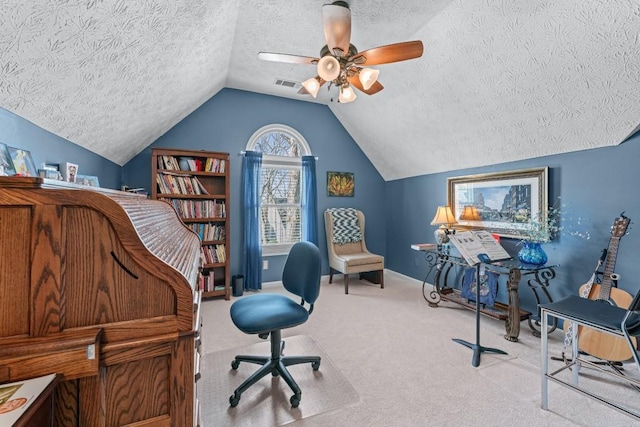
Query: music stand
point(477, 348)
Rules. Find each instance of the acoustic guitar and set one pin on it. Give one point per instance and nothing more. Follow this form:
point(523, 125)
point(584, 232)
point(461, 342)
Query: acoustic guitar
point(599, 344)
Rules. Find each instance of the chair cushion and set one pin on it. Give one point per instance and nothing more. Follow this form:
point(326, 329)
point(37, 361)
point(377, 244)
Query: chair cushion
point(257, 314)
point(362, 258)
point(594, 312)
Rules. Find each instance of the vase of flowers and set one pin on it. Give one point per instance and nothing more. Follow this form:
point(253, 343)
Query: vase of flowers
point(543, 228)
point(532, 253)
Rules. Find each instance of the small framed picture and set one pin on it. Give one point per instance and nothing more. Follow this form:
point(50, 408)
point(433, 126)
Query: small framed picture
point(51, 166)
point(50, 174)
point(6, 164)
point(22, 162)
point(340, 184)
point(90, 180)
point(70, 172)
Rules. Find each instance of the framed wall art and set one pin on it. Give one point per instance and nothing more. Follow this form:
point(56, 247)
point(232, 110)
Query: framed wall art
point(340, 184)
point(22, 162)
point(6, 164)
point(501, 202)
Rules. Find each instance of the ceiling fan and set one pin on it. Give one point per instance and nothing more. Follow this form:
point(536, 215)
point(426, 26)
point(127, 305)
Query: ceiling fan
point(340, 63)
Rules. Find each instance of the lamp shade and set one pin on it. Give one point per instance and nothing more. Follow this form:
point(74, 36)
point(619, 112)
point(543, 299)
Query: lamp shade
point(346, 94)
point(470, 213)
point(444, 216)
point(368, 77)
point(312, 86)
point(328, 68)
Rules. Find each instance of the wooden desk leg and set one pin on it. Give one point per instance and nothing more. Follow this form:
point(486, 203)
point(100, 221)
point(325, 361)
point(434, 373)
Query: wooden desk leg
point(512, 323)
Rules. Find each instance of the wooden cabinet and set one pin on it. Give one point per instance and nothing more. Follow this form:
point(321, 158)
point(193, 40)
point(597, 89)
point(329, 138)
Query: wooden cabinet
point(196, 184)
point(93, 290)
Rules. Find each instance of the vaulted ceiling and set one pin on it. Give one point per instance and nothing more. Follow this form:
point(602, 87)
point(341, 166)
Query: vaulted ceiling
point(498, 81)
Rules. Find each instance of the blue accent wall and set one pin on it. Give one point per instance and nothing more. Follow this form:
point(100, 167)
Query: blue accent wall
point(227, 121)
point(596, 185)
point(46, 147)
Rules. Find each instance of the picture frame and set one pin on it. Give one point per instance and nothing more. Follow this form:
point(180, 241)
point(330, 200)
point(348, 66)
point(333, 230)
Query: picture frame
point(69, 172)
point(22, 162)
point(6, 163)
point(90, 180)
point(50, 174)
point(501, 202)
point(340, 184)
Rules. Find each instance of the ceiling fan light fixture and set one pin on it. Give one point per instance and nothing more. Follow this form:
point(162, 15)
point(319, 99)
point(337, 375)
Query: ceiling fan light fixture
point(328, 68)
point(368, 76)
point(312, 86)
point(347, 94)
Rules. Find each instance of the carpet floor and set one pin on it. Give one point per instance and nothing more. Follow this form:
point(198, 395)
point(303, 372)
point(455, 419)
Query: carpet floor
point(266, 403)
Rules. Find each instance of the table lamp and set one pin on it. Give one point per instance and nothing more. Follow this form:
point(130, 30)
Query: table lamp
point(470, 213)
point(445, 219)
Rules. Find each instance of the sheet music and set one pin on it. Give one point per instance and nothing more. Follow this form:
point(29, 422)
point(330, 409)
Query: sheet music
point(472, 243)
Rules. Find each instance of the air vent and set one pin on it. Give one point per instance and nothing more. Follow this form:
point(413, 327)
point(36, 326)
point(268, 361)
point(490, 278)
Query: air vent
point(286, 83)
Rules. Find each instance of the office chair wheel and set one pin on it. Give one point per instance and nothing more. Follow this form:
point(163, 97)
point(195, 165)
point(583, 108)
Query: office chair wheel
point(295, 401)
point(315, 365)
point(235, 364)
point(233, 400)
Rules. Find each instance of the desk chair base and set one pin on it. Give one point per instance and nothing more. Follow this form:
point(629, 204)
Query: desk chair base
point(276, 364)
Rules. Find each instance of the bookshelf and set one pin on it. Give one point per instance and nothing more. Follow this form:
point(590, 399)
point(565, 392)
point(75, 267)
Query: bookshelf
point(196, 184)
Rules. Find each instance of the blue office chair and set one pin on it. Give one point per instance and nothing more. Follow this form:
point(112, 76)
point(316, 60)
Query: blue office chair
point(267, 314)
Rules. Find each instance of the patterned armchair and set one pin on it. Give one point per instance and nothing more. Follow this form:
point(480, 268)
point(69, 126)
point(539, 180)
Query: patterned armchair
point(347, 249)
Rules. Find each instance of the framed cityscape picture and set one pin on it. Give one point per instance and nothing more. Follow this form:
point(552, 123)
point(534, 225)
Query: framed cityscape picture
point(502, 202)
point(6, 164)
point(22, 162)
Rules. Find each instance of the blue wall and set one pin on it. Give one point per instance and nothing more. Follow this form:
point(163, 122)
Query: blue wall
point(596, 185)
point(46, 147)
point(227, 121)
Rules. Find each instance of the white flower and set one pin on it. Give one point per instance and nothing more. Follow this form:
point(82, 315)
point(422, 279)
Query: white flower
point(543, 228)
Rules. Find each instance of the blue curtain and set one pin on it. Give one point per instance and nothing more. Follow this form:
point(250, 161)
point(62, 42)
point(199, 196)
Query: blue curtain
point(252, 249)
point(309, 200)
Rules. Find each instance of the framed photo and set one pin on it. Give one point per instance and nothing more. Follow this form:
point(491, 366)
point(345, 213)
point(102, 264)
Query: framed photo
point(501, 202)
point(340, 184)
point(22, 162)
point(50, 174)
point(6, 164)
point(89, 180)
point(69, 172)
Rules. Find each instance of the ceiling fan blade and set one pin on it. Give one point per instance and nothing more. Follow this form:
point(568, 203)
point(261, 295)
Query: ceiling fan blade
point(336, 20)
point(375, 88)
point(389, 53)
point(285, 57)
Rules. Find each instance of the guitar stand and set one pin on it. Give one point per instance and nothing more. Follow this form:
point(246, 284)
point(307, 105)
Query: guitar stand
point(477, 348)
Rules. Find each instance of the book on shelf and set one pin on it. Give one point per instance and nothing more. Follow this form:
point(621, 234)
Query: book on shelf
point(474, 245)
point(17, 397)
point(423, 246)
point(214, 165)
point(176, 183)
point(214, 254)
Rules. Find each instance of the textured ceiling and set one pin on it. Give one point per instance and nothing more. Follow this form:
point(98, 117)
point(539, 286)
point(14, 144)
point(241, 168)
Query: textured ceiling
point(499, 80)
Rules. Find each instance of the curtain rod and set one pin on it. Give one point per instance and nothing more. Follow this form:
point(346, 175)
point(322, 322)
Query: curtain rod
point(241, 153)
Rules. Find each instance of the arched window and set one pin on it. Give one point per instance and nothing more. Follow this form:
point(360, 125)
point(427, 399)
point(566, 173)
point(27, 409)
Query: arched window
point(280, 210)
